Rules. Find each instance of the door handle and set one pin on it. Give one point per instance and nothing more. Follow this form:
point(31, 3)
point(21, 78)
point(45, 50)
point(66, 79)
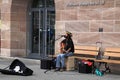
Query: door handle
point(42, 30)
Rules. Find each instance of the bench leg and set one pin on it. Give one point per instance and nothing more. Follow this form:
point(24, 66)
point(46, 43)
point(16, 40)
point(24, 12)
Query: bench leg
point(107, 68)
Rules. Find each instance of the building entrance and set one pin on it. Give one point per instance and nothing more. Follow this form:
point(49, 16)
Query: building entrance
point(42, 29)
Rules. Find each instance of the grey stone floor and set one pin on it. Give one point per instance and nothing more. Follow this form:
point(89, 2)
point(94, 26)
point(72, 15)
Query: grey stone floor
point(50, 75)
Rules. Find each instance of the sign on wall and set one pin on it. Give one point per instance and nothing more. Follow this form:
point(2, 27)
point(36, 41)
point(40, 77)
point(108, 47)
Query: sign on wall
point(86, 3)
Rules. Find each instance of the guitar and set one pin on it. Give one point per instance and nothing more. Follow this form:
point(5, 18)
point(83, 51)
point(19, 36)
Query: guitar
point(62, 47)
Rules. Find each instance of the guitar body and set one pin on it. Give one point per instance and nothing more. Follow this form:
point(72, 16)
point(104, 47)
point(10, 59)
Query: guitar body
point(62, 47)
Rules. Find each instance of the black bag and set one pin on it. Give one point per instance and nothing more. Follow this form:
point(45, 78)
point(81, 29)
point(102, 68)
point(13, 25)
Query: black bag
point(85, 66)
point(48, 63)
point(17, 68)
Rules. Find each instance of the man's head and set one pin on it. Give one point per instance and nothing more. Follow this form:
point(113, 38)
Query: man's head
point(68, 34)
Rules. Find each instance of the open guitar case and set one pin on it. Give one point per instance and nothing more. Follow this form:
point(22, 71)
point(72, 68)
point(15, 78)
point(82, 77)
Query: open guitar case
point(17, 68)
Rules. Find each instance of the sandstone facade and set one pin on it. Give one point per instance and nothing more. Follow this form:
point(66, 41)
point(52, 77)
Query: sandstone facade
point(81, 17)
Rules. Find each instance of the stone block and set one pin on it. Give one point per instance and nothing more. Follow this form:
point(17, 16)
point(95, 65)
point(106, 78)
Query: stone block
point(69, 15)
point(70, 65)
point(117, 26)
point(82, 26)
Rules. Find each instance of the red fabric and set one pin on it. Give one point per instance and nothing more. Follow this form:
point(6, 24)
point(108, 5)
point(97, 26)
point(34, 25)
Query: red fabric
point(87, 62)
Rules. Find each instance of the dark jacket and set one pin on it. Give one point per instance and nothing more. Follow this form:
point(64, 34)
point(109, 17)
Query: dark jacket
point(69, 44)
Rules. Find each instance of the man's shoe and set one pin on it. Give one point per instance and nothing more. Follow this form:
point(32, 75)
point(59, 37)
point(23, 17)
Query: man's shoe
point(57, 69)
point(62, 69)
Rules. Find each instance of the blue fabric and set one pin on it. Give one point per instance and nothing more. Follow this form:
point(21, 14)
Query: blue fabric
point(60, 60)
point(98, 72)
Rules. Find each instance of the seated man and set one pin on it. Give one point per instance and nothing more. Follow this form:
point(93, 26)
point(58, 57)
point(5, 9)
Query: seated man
point(67, 49)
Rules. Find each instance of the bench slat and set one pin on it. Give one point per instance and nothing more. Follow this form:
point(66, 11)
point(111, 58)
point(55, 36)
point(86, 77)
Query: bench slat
point(109, 61)
point(86, 48)
point(112, 49)
point(86, 52)
point(97, 60)
point(112, 54)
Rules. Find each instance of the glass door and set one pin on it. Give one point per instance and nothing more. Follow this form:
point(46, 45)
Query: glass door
point(37, 33)
point(42, 33)
point(50, 14)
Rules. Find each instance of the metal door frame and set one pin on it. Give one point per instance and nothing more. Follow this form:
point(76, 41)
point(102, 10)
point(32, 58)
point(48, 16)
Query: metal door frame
point(45, 22)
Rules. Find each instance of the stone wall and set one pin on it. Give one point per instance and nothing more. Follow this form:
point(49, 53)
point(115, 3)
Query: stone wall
point(5, 27)
point(81, 17)
point(84, 18)
point(19, 27)
point(13, 29)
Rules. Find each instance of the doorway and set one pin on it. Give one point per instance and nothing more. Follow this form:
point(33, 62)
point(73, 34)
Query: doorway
point(42, 33)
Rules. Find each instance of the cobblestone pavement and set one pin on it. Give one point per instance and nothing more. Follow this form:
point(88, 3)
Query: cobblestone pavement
point(50, 75)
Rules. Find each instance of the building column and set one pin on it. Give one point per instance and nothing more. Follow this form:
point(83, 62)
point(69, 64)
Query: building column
point(5, 28)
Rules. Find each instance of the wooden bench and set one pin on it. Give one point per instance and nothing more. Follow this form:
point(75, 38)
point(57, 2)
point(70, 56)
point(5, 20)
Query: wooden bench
point(81, 52)
point(111, 55)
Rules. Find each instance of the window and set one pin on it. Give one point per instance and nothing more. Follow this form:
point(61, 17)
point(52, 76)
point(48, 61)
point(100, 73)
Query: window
point(43, 3)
